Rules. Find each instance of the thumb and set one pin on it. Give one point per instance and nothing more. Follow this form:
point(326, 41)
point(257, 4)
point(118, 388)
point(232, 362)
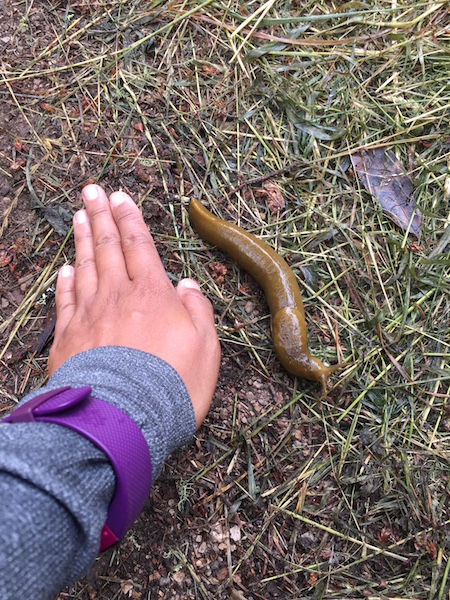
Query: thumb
point(197, 305)
point(201, 313)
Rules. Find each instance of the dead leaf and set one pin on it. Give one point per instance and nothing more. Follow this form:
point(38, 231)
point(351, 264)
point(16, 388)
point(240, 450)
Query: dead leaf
point(126, 587)
point(216, 533)
point(222, 574)
point(5, 258)
point(386, 179)
point(430, 548)
point(17, 164)
point(422, 541)
point(384, 535)
point(179, 576)
point(273, 195)
point(57, 217)
point(235, 533)
point(219, 271)
point(210, 70)
point(236, 594)
point(48, 107)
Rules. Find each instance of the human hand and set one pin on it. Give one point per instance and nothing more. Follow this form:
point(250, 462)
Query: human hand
point(118, 294)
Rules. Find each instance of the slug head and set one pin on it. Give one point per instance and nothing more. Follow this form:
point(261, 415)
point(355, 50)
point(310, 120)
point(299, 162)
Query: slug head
point(290, 343)
point(327, 372)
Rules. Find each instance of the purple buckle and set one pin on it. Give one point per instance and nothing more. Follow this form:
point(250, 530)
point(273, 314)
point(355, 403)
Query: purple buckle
point(114, 433)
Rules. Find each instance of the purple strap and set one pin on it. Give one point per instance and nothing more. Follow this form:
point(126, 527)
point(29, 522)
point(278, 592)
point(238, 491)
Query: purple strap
point(112, 431)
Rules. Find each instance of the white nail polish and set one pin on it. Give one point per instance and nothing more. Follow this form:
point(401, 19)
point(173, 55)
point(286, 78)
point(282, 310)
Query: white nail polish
point(80, 217)
point(66, 271)
point(190, 283)
point(90, 192)
point(119, 198)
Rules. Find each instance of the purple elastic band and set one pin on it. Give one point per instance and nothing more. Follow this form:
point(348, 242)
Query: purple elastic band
point(114, 433)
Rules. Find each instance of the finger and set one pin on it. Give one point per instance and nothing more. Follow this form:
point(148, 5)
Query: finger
point(65, 297)
point(141, 257)
point(201, 313)
point(86, 280)
point(197, 305)
point(109, 258)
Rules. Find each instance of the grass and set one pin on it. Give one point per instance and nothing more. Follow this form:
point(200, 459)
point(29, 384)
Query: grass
point(337, 496)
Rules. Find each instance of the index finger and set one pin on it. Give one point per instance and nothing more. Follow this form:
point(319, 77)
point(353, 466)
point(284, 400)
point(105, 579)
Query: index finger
point(141, 256)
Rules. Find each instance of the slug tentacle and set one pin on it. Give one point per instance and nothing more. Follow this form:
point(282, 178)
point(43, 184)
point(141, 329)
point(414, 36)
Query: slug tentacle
point(279, 284)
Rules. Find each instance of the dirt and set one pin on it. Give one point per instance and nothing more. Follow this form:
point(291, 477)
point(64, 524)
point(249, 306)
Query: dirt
point(214, 525)
point(181, 524)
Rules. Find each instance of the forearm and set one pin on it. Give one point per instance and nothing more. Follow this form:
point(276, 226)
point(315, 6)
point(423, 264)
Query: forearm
point(56, 486)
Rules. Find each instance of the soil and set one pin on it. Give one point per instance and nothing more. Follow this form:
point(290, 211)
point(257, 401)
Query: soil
point(214, 525)
point(181, 546)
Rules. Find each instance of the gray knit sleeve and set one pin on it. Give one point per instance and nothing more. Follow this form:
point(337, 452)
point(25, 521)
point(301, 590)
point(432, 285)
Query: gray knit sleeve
point(55, 485)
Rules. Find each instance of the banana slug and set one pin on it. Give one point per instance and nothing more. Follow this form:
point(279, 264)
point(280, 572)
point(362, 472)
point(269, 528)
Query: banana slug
point(279, 284)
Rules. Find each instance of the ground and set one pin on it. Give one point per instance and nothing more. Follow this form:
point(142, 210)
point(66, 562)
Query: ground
point(284, 492)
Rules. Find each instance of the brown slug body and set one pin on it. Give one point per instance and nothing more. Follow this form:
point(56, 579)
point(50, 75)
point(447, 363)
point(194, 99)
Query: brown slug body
point(280, 286)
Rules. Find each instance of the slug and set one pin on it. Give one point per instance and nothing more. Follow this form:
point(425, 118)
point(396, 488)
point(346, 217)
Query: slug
point(279, 284)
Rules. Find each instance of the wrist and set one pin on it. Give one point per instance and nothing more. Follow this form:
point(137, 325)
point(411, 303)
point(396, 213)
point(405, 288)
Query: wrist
point(110, 430)
point(143, 386)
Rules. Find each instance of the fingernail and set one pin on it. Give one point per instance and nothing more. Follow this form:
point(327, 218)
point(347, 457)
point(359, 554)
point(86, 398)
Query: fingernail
point(80, 217)
point(90, 192)
point(66, 271)
point(189, 283)
point(118, 198)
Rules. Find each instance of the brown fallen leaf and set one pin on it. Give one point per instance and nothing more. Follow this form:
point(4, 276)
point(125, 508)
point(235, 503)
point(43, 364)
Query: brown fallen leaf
point(5, 258)
point(219, 271)
point(17, 164)
point(126, 587)
point(236, 594)
point(273, 195)
point(386, 179)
